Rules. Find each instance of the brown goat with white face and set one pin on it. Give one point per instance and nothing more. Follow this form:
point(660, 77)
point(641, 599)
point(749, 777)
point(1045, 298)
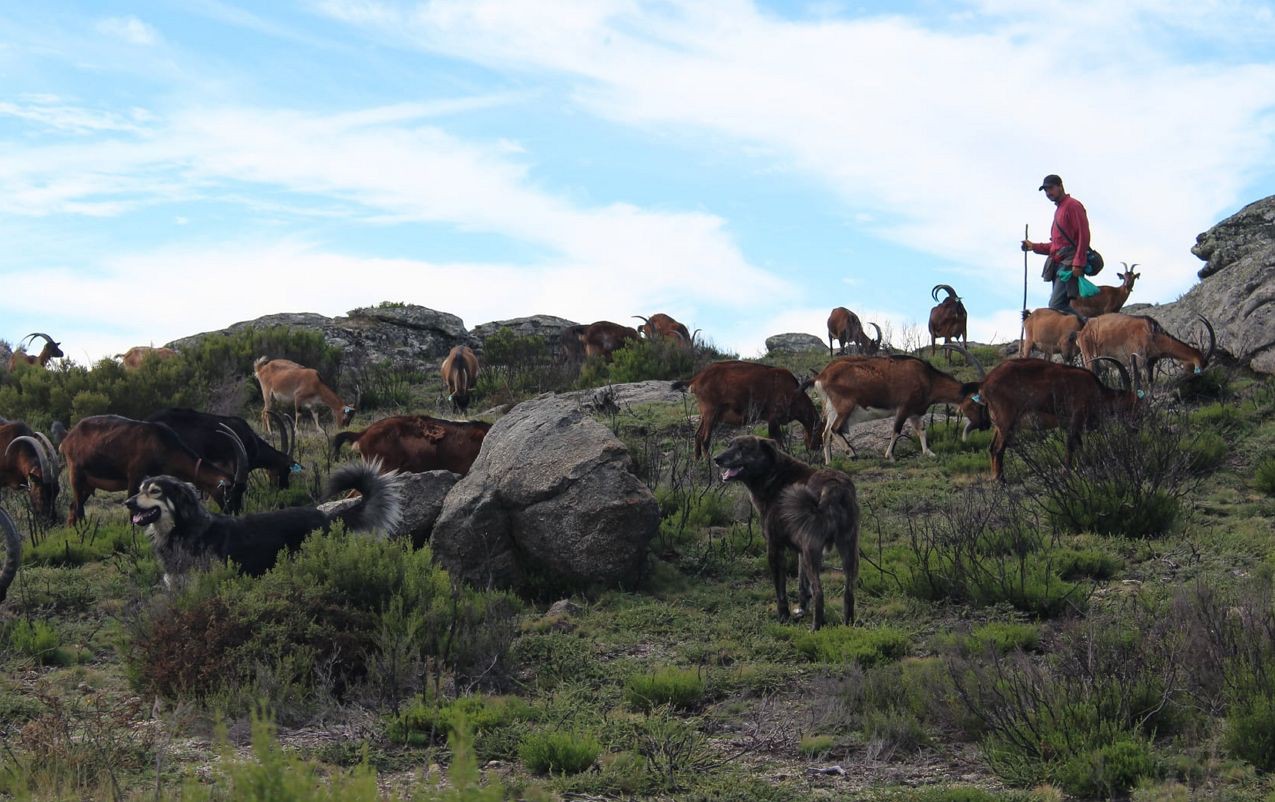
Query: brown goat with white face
point(50, 351)
point(287, 381)
point(856, 389)
point(460, 374)
point(737, 393)
point(1123, 337)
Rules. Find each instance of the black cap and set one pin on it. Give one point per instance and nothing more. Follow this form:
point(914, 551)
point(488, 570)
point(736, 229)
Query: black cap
point(1051, 180)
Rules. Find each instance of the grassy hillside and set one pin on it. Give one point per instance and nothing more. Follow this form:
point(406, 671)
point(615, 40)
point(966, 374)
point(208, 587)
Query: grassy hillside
point(1088, 634)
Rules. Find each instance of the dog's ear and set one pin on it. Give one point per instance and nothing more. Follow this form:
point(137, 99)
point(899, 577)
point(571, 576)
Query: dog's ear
point(769, 447)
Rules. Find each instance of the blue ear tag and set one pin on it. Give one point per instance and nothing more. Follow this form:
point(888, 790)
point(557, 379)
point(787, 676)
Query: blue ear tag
point(296, 467)
point(1197, 370)
point(977, 398)
point(1142, 394)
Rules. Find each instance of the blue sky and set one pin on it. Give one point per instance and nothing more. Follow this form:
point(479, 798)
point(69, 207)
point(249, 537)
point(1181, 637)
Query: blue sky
point(174, 167)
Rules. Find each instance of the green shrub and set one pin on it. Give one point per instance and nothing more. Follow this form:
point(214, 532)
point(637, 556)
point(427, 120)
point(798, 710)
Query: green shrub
point(962, 794)
point(88, 543)
point(1206, 451)
point(643, 360)
point(1223, 419)
point(427, 721)
point(815, 745)
point(1264, 476)
point(558, 752)
point(38, 639)
point(1074, 564)
point(893, 731)
point(1250, 733)
point(679, 688)
point(849, 644)
point(1113, 507)
point(1005, 637)
point(1108, 771)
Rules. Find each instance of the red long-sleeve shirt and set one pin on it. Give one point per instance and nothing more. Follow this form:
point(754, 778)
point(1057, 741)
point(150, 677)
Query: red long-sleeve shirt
point(1070, 216)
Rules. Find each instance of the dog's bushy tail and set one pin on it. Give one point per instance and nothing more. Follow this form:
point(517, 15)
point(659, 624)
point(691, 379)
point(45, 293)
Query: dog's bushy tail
point(12, 555)
point(382, 506)
point(817, 511)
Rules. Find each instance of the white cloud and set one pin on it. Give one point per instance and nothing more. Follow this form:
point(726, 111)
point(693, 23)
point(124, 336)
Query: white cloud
point(129, 29)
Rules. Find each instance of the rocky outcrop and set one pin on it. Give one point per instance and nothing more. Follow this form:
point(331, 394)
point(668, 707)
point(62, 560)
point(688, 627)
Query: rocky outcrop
point(546, 326)
point(1237, 293)
point(795, 343)
point(402, 336)
point(551, 504)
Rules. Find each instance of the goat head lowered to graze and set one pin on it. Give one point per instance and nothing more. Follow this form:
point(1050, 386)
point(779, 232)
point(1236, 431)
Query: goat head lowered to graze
point(737, 393)
point(186, 536)
point(802, 509)
point(947, 320)
point(110, 453)
point(207, 435)
point(662, 326)
point(28, 459)
point(289, 382)
point(418, 443)
point(133, 358)
point(49, 351)
point(602, 338)
point(1052, 394)
point(1108, 299)
point(460, 374)
point(12, 553)
point(1050, 332)
point(845, 328)
point(1123, 337)
point(855, 389)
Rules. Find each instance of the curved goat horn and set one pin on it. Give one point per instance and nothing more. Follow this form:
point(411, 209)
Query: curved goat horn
point(46, 337)
point(241, 454)
point(1208, 356)
point(934, 293)
point(879, 334)
point(283, 429)
point(291, 426)
point(13, 553)
point(53, 452)
point(643, 319)
point(46, 474)
point(973, 360)
point(1126, 383)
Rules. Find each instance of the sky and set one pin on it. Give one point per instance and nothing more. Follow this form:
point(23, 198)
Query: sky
point(176, 166)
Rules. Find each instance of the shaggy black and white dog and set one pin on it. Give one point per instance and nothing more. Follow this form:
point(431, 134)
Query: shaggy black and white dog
point(803, 509)
point(186, 535)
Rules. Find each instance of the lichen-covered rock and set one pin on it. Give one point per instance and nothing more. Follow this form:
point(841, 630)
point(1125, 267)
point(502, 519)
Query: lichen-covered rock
point(794, 343)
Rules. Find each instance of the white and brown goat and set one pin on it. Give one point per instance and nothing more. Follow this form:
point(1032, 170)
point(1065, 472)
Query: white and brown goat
point(286, 381)
point(460, 374)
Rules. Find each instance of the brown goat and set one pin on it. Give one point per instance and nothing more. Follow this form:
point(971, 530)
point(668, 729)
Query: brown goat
point(27, 459)
point(1109, 299)
point(602, 338)
point(738, 393)
point(1050, 332)
point(21, 357)
point(110, 453)
point(1122, 337)
point(855, 389)
point(947, 320)
point(844, 326)
point(288, 381)
point(460, 374)
point(1055, 395)
point(133, 358)
point(418, 443)
point(664, 327)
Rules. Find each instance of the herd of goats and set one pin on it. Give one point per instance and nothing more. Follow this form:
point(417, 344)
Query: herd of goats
point(216, 452)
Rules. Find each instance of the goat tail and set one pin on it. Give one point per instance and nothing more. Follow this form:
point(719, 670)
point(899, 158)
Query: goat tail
point(13, 553)
point(382, 504)
point(821, 513)
point(261, 360)
point(342, 438)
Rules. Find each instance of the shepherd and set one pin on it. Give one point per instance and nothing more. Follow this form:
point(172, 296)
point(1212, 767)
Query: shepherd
point(1068, 247)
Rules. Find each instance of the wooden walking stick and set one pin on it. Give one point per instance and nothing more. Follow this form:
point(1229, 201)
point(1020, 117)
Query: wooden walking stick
point(1022, 330)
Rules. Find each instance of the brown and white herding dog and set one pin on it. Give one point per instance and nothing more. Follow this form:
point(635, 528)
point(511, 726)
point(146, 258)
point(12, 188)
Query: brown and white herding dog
point(186, 535)
point(802, 509)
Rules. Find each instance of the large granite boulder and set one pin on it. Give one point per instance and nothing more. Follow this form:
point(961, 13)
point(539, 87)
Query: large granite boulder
point(546, 326)
point(551, 504)
point(795, 343)
point(1237, 293)
point(400, 335)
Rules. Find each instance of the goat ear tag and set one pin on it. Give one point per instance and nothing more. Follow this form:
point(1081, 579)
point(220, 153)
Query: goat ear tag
point(296, 467)
point(1198, 371)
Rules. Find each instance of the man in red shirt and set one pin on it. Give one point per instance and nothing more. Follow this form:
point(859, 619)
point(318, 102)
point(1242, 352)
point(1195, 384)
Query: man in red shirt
point(1068, 246)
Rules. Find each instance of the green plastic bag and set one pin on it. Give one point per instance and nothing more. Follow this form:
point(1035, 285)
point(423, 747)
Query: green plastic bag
point(1087, 288)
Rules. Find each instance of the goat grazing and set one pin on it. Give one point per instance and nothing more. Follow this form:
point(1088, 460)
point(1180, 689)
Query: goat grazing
point(1052, 393)
point(1122, 336)
point(737, 393)
point(133, 358)
point(418, 443)
point(286, 381)
point(109, 453)
point(21, 357)
point(1050, 332)
point(602, 338)
point(866, 388)
point(661, 326)
point(460, 374)
point(1108, 299)
point(209, 436)
point(28, 460)
point(845, 328)
point(12, 553)
point(947, 320)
